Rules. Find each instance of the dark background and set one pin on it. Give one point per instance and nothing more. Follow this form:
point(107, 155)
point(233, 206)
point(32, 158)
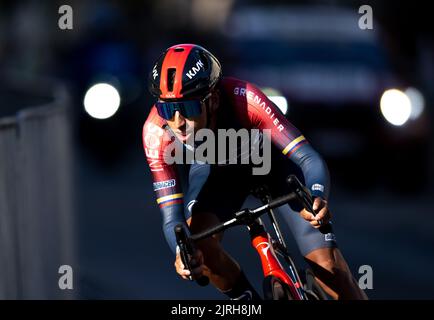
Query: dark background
point(382, 218)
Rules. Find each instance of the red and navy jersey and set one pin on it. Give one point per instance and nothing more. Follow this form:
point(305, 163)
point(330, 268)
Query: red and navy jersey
point(245, 106)
point(156, 138)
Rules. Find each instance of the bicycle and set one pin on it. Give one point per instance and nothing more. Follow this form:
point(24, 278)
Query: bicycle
point(278, 284)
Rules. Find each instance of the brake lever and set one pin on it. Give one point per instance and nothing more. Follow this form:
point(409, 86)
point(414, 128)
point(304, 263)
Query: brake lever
point(186, 250)
point(305, 198)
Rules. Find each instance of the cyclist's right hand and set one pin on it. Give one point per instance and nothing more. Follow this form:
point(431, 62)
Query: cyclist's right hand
point(196, 264)
point(323, 215)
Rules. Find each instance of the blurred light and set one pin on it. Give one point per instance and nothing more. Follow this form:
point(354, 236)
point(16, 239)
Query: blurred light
point(210, 14)
point(277, 98)
point(101, 101)
point(280, 102)
point(395, 107)
point(417, 102)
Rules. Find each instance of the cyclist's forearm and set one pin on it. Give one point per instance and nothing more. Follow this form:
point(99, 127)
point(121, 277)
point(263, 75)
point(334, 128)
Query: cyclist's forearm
point(172, 215)
point(315, 171)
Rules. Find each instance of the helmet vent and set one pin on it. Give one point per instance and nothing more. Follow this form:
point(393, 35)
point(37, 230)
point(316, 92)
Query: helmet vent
point(179, 49)
point(170, 78)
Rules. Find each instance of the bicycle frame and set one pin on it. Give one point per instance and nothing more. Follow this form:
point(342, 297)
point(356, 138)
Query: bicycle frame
point(279, 247)
point(263, 243)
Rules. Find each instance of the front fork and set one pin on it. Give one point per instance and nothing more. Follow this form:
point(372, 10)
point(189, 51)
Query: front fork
point(271, 266)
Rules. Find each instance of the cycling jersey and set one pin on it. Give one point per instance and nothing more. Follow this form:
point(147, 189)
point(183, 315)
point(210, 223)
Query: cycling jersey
point(242, 105)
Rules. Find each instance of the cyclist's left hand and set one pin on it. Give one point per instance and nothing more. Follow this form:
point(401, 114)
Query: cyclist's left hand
point(323, 213)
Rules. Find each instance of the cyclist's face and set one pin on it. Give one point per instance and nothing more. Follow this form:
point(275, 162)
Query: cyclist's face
point(184, 127)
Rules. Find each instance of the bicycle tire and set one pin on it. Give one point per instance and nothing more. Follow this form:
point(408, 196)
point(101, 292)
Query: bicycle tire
point(312, 288)
point(276, 289)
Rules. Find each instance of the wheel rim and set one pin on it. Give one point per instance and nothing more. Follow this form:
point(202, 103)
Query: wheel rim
point(275, 289)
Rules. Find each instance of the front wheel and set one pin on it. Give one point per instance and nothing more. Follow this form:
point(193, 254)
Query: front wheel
point(312, 289)
point(276, 289)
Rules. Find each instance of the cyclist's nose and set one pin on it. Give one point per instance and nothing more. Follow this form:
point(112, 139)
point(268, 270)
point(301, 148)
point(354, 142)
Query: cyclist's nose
point(179, 120)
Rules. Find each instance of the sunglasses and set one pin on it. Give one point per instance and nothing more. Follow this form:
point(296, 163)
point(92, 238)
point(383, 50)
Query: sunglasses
point(188, 108)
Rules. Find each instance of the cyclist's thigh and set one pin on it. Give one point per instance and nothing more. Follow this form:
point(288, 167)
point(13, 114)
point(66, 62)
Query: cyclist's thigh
point(205, 220)
point(307, 237)
point(220, 190)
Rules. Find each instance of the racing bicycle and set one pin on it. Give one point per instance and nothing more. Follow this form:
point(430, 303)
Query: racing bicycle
point(282, 280)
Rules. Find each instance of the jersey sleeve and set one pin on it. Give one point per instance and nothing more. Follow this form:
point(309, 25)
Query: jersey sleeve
point(166, 183)
point(262, 113)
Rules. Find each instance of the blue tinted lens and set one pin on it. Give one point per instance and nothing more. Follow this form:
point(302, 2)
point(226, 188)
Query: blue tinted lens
point(191, 109)
point(165, 110)
point(188, 109)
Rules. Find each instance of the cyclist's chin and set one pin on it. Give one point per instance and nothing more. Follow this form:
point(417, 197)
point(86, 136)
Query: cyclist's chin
point(183, 137)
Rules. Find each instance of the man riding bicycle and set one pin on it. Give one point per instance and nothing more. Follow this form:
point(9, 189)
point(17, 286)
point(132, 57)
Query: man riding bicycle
point(192, 95)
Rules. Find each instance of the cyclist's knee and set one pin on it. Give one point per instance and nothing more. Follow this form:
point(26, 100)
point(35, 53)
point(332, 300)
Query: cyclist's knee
point(209, 246)
point(215, 257)
point(335, 269)
point(200, 221)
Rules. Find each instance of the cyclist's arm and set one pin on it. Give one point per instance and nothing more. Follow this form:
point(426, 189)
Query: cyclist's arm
point(166, 184)
point(264, 114)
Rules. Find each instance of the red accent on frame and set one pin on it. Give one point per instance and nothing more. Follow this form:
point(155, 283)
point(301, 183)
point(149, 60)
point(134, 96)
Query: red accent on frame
point(270, 263)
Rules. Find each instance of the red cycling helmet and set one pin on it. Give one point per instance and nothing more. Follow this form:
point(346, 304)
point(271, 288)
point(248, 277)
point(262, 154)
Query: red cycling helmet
point(184, 71)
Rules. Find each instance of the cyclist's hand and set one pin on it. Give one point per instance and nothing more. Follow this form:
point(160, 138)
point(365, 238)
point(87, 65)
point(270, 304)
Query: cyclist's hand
point(323, 213)
point(196, 264)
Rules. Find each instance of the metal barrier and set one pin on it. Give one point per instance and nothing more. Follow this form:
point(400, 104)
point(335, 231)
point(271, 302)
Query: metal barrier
point(36, 201)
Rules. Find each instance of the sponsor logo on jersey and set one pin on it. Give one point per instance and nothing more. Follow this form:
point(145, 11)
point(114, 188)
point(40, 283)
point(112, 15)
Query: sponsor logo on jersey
point(330, 237)
point(152, 134)
point(164, 184)
point(253, 98)
point(318, 187)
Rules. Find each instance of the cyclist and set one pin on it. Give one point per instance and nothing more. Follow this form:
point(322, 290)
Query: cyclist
point(191, 95)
